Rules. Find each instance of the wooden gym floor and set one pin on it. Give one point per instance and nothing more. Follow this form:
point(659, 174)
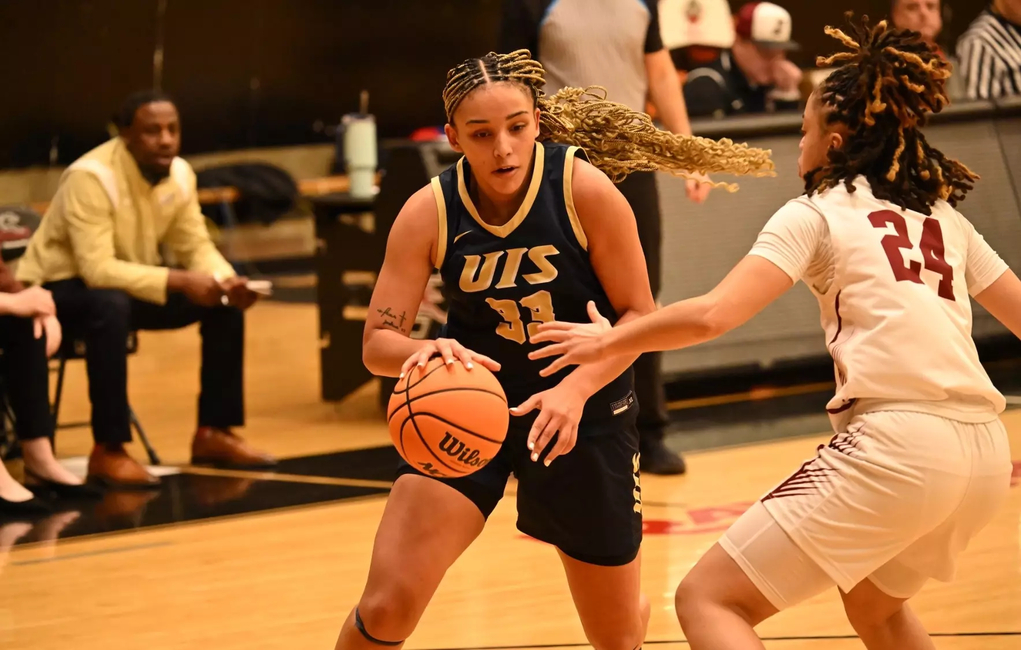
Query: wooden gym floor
point(276, 560)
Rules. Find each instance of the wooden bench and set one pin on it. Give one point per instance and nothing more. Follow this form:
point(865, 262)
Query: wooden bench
point(227, 195)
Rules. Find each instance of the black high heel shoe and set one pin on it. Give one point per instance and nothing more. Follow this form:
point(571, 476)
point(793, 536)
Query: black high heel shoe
point(67, 491)
point(32, 507)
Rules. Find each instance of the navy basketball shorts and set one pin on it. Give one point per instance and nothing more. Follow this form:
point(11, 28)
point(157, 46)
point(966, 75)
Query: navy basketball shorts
point(587, 503)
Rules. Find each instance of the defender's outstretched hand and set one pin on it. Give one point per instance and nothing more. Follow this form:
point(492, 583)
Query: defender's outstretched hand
point(574, 343)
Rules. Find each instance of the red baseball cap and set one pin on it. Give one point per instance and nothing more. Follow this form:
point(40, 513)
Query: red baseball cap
point(766, 25)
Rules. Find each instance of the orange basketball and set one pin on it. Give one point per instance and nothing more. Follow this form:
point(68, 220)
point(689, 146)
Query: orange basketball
point(448, 421)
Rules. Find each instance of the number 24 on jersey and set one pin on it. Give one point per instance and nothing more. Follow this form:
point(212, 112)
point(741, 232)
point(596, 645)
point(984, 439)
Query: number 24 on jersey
point(931, 246)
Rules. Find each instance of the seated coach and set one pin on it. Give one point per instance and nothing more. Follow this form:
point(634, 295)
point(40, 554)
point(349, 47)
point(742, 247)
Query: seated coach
point(98, 250)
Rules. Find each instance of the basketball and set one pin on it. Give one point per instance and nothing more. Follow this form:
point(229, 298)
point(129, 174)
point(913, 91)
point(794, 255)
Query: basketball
point(448, 421)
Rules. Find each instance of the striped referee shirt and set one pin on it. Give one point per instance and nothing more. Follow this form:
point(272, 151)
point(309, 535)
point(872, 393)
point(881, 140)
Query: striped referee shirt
point(990, 55)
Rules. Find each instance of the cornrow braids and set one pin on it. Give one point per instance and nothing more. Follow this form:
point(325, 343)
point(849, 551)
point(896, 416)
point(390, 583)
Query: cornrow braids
point(616, 139)
point(883, 91)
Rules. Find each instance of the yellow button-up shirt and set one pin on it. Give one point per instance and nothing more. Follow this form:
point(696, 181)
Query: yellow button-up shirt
point(106, 224)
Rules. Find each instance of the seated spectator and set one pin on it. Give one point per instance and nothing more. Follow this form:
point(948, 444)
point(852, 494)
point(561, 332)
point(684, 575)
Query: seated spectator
point(29, 333)
point(922, 16)
point(926, 18)
point(98, 251)
point(695, 31)
point(990, 52)
point(754, 76)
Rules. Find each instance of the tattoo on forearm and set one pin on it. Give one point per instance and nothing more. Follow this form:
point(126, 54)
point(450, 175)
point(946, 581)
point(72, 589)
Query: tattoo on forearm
point(392, 320)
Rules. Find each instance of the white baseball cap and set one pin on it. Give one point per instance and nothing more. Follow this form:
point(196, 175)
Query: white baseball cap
point(708, 23)
point(765, 24)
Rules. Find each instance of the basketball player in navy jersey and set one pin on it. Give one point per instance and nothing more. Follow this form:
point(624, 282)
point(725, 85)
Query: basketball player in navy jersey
point(523, 233)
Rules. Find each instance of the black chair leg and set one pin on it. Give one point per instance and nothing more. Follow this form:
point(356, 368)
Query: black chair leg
point(153, 458)
point(56, 401)
point(9, 447)
point(60, 390)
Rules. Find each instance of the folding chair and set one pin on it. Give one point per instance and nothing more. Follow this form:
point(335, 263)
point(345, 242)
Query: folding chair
point(9, 448)
point(74, 348)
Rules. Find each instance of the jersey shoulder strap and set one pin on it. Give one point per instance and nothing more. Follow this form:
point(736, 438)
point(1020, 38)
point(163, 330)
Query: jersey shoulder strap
point(444, 188)
point(565, 192)
point(558, 174)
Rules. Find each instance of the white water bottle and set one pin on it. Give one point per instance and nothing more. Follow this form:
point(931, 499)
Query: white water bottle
point(360, 155)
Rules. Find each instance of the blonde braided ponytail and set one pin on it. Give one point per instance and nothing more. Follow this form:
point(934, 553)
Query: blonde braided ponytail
point(618, 140)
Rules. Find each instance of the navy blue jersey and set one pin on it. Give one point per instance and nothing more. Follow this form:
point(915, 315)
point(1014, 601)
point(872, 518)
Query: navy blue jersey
point(503, 281)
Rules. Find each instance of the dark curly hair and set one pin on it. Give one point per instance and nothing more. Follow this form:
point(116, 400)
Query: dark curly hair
point(883, 91)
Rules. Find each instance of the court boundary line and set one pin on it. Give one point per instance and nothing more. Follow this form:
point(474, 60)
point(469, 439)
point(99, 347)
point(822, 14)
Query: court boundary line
point(834, 637)
point(760, 394)
point(176, 525)
point(269, 475)
point(102, 551)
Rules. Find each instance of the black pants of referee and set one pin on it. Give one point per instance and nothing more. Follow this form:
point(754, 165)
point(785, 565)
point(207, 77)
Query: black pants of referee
point(640, 191)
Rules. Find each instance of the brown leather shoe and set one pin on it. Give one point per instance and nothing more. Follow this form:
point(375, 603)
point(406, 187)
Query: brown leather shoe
point(112, 467)
point(222, 448)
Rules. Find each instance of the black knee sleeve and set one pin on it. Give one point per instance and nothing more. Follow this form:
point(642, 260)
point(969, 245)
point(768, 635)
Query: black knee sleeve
point(368, 637)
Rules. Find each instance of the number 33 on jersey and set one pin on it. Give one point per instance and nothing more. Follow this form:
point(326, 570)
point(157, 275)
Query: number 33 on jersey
point(502, 282)
point(540, 303)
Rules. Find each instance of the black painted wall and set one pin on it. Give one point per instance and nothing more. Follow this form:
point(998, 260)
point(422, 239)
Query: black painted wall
point(253, 73)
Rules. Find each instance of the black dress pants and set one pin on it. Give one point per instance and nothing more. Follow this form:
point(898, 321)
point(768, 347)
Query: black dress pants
point(25, 375)
point(103, 318)
point(640, 191)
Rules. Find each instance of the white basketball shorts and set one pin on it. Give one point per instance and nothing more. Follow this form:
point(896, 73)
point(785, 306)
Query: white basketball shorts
point(895, 498)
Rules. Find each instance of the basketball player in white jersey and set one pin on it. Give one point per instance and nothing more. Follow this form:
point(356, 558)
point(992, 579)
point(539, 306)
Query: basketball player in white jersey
point(920, 461)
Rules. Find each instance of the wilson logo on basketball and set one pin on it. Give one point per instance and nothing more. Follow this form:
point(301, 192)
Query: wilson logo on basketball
point(464, 454)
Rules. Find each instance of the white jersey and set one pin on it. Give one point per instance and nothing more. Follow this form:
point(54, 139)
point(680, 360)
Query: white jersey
point(893, 287)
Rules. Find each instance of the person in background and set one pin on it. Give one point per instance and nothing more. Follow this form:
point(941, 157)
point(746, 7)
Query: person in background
point(990, 52)
point(98, 251)
point(754, 76)
point(922, 16)
point(695, 31)
point(926, 18)
point(616, 44)
point(29, 334)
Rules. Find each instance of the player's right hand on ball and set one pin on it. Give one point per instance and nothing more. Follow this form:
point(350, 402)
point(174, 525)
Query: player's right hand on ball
point(449, 350)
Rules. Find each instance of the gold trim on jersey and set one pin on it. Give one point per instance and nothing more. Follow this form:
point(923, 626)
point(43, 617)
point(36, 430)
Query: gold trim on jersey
point(636, 463)
point(526, 205)
point(572, 212)
point(441, 213)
